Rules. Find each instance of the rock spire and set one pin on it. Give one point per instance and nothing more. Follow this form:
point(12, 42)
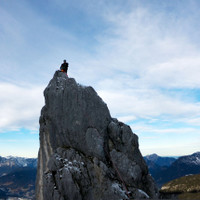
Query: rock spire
point(85, 154)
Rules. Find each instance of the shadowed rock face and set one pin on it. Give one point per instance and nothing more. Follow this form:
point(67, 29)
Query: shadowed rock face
point(83, 151)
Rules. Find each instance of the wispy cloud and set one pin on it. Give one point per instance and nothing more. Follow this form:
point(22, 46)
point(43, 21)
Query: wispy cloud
point(20, 106)
point(148, 103)
point(158, 131)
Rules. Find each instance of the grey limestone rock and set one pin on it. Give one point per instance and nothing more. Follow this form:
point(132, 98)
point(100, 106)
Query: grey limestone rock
point(84, 153)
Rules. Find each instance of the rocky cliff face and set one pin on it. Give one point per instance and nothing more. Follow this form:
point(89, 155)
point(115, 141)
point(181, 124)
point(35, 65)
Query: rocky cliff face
point(84, 153)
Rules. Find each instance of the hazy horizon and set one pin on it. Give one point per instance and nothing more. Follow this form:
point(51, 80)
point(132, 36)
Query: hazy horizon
point(173, 156)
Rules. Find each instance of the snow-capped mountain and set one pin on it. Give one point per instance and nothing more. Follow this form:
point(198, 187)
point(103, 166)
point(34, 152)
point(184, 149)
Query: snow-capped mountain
point(8, 164)
point(193, 159)
point(23, 162)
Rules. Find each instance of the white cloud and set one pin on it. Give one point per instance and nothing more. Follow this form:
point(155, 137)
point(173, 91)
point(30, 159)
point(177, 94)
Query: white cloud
point(156, 130)
point(126, 118)
point(139, 56)
point(193, 121)
point(145, 103)
point(181, 72)
point(20, 106)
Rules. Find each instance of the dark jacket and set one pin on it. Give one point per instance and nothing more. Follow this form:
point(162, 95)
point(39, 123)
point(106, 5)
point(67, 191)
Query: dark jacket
point(64, 67)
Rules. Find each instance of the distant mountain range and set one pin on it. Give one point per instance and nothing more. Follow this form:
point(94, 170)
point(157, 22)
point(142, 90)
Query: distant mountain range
point(164, 169)
point(158, 160)
point(17, 177)
point(8, 164)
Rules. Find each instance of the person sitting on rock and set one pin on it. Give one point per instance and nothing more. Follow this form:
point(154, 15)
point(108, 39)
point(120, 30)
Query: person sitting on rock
point(64, 66)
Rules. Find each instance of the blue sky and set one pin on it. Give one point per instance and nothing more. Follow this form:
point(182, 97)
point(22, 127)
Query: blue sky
point(142, 57)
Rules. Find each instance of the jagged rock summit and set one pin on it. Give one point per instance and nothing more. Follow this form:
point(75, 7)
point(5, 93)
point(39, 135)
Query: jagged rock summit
point(84, 153)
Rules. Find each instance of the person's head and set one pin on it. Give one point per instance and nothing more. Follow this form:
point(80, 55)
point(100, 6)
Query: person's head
point(64, 61)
